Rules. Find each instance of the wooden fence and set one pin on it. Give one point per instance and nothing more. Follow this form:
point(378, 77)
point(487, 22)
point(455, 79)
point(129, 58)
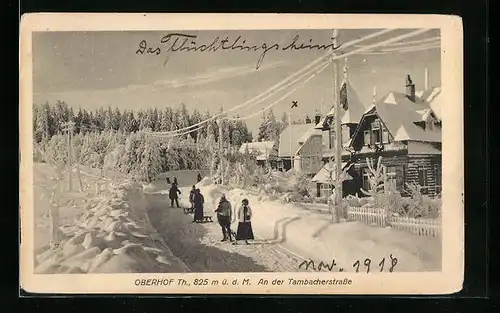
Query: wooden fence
point(417, 226)
point(370, 216)
point(378, 217)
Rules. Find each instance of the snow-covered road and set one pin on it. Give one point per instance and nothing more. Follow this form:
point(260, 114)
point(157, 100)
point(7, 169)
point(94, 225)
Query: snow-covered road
point(199, 246)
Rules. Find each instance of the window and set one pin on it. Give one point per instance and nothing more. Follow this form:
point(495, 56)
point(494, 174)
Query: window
point(326, 190)
point(367, 140)
point(437, 177)
point(385, 135)
point(391, 178)
point(376, 132)
point(422, 179)
point(332, 138)
point(366, 179)
point(280, 165)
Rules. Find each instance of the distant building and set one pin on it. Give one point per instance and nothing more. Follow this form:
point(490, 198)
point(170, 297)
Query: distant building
point(303, 143)
point(352, 112)
point(266, 152)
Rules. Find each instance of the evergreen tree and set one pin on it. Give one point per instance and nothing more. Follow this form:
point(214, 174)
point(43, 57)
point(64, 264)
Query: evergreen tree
point(263, 128)
point(182, 119)
point(43, 122)
point(78, 120)
point(283, 122)
point(151, 163)
point(272, 130)
point(195, 119)
point(116, 118)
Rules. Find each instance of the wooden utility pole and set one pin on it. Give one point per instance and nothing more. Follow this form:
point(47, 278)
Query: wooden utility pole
point(219, 122)
point(290, 128)
point(70, 128)
point(338, 134)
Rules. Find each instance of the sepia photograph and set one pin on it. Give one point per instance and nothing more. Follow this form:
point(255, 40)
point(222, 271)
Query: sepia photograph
point(315, 151)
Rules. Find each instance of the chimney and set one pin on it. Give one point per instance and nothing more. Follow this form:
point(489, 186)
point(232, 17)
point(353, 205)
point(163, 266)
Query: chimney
point(410, 88)
point(317, 119)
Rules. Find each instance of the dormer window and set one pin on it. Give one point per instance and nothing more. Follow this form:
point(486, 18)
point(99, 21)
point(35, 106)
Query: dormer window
point(367, 137)
point(385, 135)
point(376, 132)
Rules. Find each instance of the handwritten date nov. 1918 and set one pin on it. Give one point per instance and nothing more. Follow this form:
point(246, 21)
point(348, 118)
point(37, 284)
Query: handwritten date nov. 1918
point(385, 264)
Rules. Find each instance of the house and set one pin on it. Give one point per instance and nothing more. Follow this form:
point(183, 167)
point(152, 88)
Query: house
point(405, 130)
point(325, 177)
point(303, 144)
point(352, 112)
point(266, 152)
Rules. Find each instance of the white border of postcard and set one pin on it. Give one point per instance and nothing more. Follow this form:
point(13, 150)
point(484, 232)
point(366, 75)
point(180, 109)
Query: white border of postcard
point(449, 280)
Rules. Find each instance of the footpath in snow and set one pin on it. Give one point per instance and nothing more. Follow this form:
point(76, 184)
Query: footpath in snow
point(288, 233)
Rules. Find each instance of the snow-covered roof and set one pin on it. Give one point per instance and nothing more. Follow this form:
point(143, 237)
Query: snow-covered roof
point(263, 148)
point(433, 97)
point(422, 148)
point(399, 114)
point(353, 107)
point(299, 135)
point(323, 175)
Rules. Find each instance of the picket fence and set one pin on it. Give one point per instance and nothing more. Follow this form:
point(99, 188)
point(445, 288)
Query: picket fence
point(378, 217)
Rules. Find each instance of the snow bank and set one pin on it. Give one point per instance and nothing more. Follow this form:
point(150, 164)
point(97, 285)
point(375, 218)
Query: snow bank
point(114, 235)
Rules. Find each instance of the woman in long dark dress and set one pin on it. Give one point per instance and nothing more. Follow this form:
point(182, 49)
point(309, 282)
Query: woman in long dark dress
point(244, 216)
point(198, 201)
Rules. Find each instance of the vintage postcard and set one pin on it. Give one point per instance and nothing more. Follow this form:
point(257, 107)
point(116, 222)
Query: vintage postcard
point(241, 154)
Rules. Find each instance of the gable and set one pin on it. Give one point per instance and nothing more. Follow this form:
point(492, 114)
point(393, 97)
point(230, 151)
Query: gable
point(292, 136)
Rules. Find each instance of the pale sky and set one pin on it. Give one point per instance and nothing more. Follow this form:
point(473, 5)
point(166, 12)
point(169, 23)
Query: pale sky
point(94, 69)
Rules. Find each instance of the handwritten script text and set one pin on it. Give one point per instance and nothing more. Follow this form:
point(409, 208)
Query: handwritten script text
point(180, 42)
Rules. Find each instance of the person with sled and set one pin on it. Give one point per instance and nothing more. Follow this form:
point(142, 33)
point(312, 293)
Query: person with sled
point(191, 196)
point(173, 194)
point(224, 217)
point(244, 216)
point(198, 202)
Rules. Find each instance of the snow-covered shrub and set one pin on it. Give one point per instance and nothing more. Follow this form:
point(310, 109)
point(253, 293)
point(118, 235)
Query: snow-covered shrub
point(111, 160)
point(417, 205)
point(301, 184)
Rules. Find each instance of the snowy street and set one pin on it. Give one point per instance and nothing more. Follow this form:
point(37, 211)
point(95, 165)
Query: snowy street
point(287, 235)
point(200, 248)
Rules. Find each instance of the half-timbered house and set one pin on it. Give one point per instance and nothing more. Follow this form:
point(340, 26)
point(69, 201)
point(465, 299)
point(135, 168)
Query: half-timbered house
point(405, 130)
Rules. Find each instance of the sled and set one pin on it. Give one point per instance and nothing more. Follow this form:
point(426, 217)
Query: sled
point(188, 210)
point(207, 219)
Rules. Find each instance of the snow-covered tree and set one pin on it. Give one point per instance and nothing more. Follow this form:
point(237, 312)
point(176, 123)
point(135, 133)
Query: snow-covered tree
point(151, 163)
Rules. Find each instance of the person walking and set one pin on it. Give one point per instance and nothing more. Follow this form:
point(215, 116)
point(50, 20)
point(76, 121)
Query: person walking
point(175, 181)
point(199, 178)
point(198, 202)
point(224, 217)
point(244, 216)
point(173, 194)
point(191, 196)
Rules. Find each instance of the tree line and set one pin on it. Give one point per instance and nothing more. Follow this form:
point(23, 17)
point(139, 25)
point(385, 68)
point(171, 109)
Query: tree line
point(48, 120)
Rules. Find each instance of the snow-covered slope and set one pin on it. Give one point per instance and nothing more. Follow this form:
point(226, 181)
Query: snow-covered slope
point(113, 235)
